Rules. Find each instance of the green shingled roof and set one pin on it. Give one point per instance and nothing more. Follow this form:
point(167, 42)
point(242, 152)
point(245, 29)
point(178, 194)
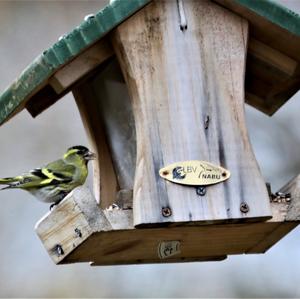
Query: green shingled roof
point(95, 27)
point(69, 46)
point(274, 12)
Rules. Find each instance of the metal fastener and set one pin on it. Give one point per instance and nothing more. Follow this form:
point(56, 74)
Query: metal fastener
point(182, 19)
point(201, 190)
point(166, 211)
point(206, 122)
point(244, 207)
point(58, 250)
point(78, 232)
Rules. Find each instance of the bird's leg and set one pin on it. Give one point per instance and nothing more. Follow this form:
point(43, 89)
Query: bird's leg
point(62, 195)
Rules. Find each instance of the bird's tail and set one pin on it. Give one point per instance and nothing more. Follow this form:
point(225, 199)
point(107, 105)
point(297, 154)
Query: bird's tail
point(10, 182)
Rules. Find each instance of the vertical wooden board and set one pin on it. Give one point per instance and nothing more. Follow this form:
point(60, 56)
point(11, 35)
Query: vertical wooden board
point(176, 80)
point(105, 180)
point(111, 94)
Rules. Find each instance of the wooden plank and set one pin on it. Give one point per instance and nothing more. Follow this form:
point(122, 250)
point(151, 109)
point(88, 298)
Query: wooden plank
point(156, 261)
point(197, 243)
point(272, 56)
point(42, 100)
point(270, 24)
point(81, 66)
point(176, 80)
point(112, 96)
point(270, 238)
point(108, 236)
point(293, 187)
point(286, 215)
point(105, 180)
point(70, 223)
point(37, 74)
point(275, 32)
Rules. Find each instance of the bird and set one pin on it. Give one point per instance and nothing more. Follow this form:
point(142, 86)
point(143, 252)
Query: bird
point(52, 182)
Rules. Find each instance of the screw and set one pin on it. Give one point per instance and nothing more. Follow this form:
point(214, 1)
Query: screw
point(201, 190)
point(206, 122)
point(78, 232)
point(166, 212)
point(166, 172)
point(244, 207)
point(58, 250)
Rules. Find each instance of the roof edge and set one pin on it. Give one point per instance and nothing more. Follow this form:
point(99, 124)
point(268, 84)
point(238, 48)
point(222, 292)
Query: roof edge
point(65, 49)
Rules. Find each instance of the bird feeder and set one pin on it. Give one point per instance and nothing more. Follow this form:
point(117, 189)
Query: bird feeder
point(161, 87)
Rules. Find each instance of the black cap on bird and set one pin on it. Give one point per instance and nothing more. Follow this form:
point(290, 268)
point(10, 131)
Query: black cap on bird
point(81, 150)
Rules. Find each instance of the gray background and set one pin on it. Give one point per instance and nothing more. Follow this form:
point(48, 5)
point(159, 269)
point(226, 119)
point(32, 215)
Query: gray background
point(26, 29)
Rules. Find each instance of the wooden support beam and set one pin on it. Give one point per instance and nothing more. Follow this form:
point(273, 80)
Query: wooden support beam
point(272, 57)
point(177, 79)
point(105, 180)
point(81, 66)
point(73, 72)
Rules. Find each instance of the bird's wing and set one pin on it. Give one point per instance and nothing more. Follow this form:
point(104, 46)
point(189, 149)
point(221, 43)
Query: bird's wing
point(60, 171)
point(54, 173)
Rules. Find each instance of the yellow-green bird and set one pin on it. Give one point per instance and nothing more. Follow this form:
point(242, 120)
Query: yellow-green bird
point(51, 183)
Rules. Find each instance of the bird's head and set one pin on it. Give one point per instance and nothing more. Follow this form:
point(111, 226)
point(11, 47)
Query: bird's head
point(79, 153)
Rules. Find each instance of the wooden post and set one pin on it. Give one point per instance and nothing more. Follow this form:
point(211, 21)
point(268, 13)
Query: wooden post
point(187, 91)
point(105, 180)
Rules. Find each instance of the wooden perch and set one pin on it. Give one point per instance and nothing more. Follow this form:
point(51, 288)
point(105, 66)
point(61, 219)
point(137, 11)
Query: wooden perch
point(77, 230)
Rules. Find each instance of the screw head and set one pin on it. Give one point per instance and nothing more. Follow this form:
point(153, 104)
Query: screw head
point(166, 211)
point(201, 190)
point(244, 208)
point(78, 232)
point(58, 250)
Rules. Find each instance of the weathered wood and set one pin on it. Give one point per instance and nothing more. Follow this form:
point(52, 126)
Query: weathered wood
point(293, 187)
point(286, 216)
point(272, 56)
point(105, 180)
point(266, 29)
point(111, 94)
point(177, 79)
point(80, 66)
point(276, 45)
point(70, 223)
point(108, 236)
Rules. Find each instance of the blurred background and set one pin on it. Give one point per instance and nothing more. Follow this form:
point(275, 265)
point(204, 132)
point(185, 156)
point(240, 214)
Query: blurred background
point(27, 28)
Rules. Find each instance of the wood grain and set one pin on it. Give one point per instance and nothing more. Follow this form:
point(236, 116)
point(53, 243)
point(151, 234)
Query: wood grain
point(70, 223)
point(105, 180)
point(81, 66)
point(111, 95)
point(176, 79)
point(108, 236)
point(272, 57)
point(279, 49)
point(197, 243)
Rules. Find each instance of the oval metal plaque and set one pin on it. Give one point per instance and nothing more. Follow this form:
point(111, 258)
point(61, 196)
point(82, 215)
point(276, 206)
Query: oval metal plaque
point(195, 173)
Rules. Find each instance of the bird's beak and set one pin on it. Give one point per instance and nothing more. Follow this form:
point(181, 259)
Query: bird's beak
point(90, 156)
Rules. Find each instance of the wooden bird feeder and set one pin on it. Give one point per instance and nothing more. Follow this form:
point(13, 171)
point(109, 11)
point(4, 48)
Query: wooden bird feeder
point(161, 87)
